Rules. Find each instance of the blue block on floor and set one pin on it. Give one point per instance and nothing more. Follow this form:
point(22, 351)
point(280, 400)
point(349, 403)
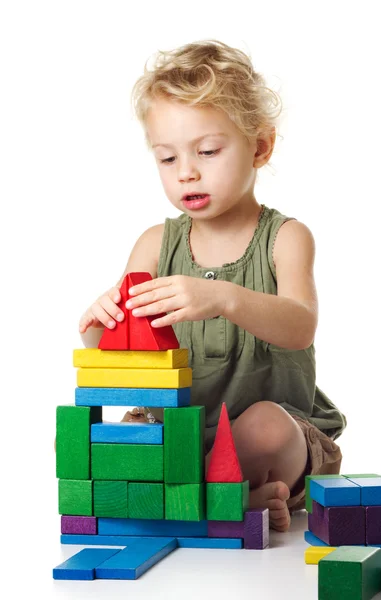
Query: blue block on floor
point(313, 540)
point(335, 492)
point(370, 489)
point(223, 543)
point(127, 433)
point(82, 565)
point(152, 527)
point(155, 397)
point(136, 559)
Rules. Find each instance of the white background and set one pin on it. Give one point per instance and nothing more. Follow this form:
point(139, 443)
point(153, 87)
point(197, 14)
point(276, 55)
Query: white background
point(78, 186)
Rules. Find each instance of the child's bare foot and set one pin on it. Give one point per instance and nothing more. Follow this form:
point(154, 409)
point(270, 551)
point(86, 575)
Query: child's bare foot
point(273, 495)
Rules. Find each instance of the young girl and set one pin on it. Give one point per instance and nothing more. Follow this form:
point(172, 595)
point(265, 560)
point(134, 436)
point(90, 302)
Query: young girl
point(235, 276)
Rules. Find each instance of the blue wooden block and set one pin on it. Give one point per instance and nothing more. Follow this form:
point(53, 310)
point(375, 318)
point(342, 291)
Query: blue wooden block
point(313, 540)
point(335, 492)
point(136, 559)
point(82, 565)
point(225, 543)
point(370, 490)
point(127, 433)
point(157, 398)
point(153, 527)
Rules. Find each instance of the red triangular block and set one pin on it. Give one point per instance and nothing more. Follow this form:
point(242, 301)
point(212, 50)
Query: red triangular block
point(224, 465)
point(117, 338)
point(136, 333)
point(142, 335)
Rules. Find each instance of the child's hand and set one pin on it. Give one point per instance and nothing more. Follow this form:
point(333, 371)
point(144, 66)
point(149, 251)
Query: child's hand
point(103, 311)
point(190, 299)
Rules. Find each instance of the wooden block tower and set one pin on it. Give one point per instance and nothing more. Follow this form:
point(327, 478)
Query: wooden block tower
point(142, 485)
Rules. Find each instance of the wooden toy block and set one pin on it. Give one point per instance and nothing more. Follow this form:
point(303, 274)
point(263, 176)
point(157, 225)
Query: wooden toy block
point(125, 540)
point(370, 490)
point(146, 500)
point(82, 565)
point(110, 499)
point(224, 464)
point(313, 540)
point(373, 525)
point(73, 440)
point(185, 501)
point(118, 337)
point(216, 543)
point(142, 335)
point(127, 462)
point(127, 433)
point(161, 398)
point(144, 527)
point(79, 525)
point(226, 529)
point(75, 497)
point(227, 501)
point(338, 525)
point(314, 553)
point(335, 492)
point(256, 529)
point(184, 445)
point(131, 359)
point(136, 559)
point(362, 475)
point(135, 378)
point(308, 480)
point(350, 573)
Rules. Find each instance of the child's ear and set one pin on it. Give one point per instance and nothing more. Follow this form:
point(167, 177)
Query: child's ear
point(264, 147)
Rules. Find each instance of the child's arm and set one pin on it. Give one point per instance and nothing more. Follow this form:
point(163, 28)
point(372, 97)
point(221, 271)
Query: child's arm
point(144, 257)
point(288, 319)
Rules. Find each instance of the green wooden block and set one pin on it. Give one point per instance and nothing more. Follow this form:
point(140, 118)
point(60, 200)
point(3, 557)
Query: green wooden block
point(350, 573)
point(361, 475)
point(146, 501)
point(75, 497)
point(110, 499)
point(73, 440)
point(184, 430)
point(185, 501)
point(307, 487)
point(227, 501)
point(127, 462)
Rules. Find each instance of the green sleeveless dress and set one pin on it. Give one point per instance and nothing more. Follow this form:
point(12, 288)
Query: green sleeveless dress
point(230, 364)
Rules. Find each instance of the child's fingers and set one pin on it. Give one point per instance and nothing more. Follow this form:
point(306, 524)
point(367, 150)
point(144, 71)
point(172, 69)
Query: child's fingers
point(86, 321)
point(103, 315)
point(114, 294)
point(111, 309)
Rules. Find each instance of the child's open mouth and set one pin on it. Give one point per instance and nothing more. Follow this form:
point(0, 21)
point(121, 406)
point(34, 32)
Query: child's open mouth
point(196, 201)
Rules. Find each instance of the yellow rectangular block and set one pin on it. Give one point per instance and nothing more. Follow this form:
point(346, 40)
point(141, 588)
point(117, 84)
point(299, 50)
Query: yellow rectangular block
point(130, 359)
point(135, 378)
point(314, 553)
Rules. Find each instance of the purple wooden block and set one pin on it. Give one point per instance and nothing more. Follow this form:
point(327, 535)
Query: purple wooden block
point(373, 524)
point(338, 525)
point(225, 529)
point(256, 529)
point(79, 525)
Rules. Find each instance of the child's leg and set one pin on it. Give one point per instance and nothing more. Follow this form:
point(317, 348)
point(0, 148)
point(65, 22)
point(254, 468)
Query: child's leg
point(273, 454)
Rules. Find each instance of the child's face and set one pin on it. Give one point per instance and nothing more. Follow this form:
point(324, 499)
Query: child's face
point(227, 176)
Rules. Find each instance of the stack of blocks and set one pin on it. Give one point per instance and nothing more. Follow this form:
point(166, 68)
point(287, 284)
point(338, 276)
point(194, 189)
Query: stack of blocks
point(142, 485)
point(344, 522)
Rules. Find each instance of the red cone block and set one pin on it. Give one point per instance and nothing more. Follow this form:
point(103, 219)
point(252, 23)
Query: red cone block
point(224, 465)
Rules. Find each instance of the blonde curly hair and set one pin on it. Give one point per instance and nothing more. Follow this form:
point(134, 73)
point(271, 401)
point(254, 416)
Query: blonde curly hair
point(209, 73)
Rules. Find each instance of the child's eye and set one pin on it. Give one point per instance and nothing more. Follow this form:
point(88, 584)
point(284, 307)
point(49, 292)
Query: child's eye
point(206, 152)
